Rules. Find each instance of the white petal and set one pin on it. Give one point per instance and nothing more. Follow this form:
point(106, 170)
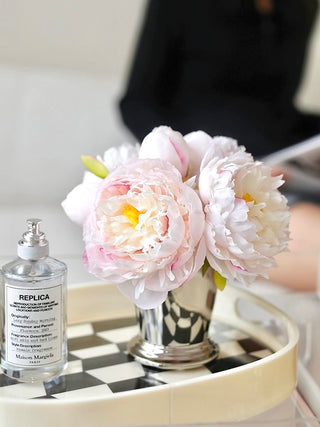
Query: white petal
point(79, 201)
point(146, 300)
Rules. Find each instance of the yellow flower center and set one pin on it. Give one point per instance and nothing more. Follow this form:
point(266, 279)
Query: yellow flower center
point(132, 214)
point(248, 198)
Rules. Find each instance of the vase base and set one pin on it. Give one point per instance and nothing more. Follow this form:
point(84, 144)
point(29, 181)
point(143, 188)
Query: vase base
point(178, 357)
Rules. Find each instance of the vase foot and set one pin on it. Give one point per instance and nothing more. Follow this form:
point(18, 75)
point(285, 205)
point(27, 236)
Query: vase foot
point(178, 357)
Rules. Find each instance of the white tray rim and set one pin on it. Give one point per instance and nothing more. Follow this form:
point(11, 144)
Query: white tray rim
point(231, 293)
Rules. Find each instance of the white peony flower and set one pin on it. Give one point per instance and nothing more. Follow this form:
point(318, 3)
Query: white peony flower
point(247, 218)
point(121, 155)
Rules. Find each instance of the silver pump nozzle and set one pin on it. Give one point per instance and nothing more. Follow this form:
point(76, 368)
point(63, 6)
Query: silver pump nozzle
point(33, 244)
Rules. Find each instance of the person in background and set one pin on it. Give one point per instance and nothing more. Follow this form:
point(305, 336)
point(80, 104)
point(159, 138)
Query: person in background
point(226, 67)
point(231, 68)
point(299, 268)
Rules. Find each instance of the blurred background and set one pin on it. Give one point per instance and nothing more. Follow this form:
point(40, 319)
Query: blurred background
point(63, 68)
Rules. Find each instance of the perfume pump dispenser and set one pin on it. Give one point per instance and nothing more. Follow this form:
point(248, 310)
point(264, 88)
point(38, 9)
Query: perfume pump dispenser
point(33, 310)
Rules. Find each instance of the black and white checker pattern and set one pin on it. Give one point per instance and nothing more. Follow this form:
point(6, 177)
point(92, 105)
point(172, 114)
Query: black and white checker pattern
point(178, 324)
point(181, 325)
point(99, 364)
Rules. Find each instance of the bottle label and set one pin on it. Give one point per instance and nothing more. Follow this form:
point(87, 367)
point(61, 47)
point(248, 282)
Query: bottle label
point(33, 325)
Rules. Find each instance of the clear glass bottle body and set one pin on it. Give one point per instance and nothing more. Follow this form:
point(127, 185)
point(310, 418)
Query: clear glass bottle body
point(33, 319)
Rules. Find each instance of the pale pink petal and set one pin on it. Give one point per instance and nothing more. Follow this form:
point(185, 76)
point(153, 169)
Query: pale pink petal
point(146, 299)
point(166, 144)
point(198, 143)
point(79, 201)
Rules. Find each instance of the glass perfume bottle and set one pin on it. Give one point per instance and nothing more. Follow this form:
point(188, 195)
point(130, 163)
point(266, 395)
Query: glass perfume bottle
point(33, 311)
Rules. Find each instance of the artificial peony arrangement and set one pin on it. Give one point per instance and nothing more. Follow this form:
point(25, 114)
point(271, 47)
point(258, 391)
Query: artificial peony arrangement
point(155, 215)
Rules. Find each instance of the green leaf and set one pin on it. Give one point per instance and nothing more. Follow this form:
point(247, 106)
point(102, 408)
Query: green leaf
point(95, 166)
point(205, 267)
point(219, 280)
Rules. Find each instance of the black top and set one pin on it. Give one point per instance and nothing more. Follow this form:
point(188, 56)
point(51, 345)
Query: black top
point(224, 67)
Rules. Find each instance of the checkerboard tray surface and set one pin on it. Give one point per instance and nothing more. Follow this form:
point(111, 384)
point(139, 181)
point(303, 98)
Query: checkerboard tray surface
point(103, 386)
point(99, 365)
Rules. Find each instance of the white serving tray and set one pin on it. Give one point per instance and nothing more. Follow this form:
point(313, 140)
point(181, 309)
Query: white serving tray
point(185, 397)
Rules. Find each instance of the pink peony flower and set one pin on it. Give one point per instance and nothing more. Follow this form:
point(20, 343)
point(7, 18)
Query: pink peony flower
point(166, 144)
point(144, 231)
point(247, 218)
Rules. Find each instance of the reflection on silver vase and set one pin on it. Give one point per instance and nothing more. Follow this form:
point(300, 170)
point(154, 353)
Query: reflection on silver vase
point(175, 334)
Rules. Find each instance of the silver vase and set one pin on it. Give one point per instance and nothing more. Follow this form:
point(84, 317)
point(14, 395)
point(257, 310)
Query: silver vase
point(175, 334)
